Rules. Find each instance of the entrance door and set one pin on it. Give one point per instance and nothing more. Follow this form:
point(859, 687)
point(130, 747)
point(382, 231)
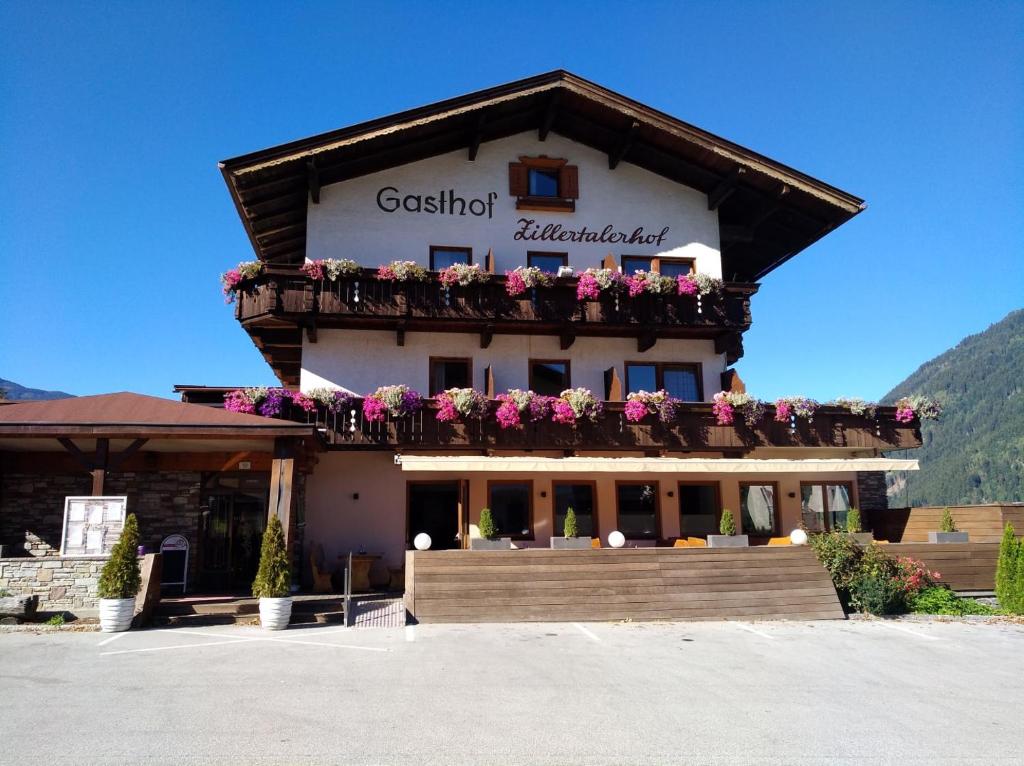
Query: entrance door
point(434, 509)
point(230, 535)
point(698, 509)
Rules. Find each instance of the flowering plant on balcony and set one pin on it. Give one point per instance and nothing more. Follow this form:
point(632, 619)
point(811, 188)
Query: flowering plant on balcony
point(575, 404)
point(727, 403)
point(523, 278)
point(231, 280)
point(517, 405)
point(268, 402)
point(462, 274)
point(333, 400)
point(649, 282)
point(856, 406)
point(330, 268)
point(403, 271)
point(788, 408)
point(917, 405)
point(396, 401)
point(593, 282)
point(698, 284)
point(640, 404)
point(457, 403)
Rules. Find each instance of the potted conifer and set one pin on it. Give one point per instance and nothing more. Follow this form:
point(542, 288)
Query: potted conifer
point(272, 585)
point(120, 580)
point(728, 537)
point(488, 540)
point(571, 540)
point(948, 532)
point(853, 528)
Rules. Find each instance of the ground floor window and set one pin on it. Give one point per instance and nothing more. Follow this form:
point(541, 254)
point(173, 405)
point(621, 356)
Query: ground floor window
point(698, 509)
point(758, 509)
point(638, 510)
point(434, 509)
point(824, 506)
point(511, 505)
point(580, 497)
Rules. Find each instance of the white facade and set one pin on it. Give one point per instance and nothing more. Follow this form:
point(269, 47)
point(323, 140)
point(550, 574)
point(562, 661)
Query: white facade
point(350, 223)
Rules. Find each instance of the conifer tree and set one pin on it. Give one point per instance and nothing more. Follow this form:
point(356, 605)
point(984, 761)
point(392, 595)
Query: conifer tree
point(1007, 569)
point(120, 577)
point(273, 578)
point(570, 529)
point(486, 525)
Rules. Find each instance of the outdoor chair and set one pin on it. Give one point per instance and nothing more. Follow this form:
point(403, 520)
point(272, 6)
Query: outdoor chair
point(697, 542)
point(595, 542)
point(321, 576)
point(681, 542)
point(779, 541)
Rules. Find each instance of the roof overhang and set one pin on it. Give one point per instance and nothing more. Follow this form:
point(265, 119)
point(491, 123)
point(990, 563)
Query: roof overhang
point(630, 465)
point(768, 211)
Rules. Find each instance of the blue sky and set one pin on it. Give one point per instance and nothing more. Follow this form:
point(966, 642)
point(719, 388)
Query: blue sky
point(115, 223)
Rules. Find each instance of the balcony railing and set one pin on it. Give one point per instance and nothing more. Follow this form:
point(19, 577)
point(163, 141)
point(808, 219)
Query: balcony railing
point(365, 301)
point(695, 429)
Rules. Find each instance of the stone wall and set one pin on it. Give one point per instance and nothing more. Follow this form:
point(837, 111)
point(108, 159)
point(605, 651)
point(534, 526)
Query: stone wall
point(61, 584)
point(871, 491)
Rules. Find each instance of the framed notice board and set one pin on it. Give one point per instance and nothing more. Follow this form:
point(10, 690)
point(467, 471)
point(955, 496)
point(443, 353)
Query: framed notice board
point(92, 525)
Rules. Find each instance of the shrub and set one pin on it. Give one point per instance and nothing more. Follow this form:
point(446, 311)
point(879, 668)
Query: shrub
point(273, 578)
point(120, 577)
point(841, 557)
point(56, 620)
point(1006, 568)
point(727, 526)
point(947, 524)
point(570, 529)
point(941, 600)
point(1016, 605)
point(853, 525)
point(486, 525)
point(878, 594)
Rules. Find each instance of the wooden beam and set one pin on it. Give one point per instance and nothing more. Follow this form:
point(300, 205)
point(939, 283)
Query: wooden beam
point(99, 470)
point(609, 262)
point(550, 112)
point(725, 188)
point(612, 385)
point(489, 391)
point(768, 208)
point(400, 334)
point(489, 261)
point(566, 338)
point(486, 336)
point(313, 181)
point(311, 332)
point(646, 341)
point(282, 477)
point(729, 233)
point(116, 461)
point(474, 143)
point(614, 158)
point(80, 457)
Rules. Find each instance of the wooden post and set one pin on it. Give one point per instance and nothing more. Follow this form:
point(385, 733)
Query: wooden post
point(282, 479)
point(99, 469)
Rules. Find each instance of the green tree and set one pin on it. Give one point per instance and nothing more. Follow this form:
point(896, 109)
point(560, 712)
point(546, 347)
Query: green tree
point(120, 577)
point(570, 529)
point(273, 578)
point(947, 524)
point(727, 526)
point(853, 521)
point(1006, 568)
point(486, 525)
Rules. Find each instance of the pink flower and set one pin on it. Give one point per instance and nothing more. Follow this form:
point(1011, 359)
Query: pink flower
point(723, 413)
point(313, 269)
point(230, 281)
point(562, 412)
point(446, 411)
point(303, 402)
point(374, 410)
point(587, 288)
point(904, 414)
point(237, 401)
point(386, 272)
point(635, 410)
point(686, 285)
point(782, 411)
point(507, 413)
point(514, 283)
point(637, 284)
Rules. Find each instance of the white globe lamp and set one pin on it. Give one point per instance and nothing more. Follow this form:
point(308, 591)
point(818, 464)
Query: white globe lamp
point(422, 541)
point(798, 537)
point(616, 539)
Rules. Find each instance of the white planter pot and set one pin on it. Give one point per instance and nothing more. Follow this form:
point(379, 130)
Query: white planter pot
point(275, 613)
point(116, 614)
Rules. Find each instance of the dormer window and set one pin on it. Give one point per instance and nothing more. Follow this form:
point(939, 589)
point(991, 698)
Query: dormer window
point(544, 183)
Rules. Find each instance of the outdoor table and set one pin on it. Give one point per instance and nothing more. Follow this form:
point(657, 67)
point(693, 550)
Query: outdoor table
point(360, 575)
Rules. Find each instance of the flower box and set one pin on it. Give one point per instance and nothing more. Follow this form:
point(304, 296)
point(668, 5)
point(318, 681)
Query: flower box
point(571, 543)
point(947, 537)
point(728, 541)
point(861, 538)
point(482, 544)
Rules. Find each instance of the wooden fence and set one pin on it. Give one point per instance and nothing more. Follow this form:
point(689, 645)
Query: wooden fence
point(963, 566)
point(984, 523)
point(637, 583)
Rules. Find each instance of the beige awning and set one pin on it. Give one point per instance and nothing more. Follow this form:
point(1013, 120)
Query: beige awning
point(478, 464)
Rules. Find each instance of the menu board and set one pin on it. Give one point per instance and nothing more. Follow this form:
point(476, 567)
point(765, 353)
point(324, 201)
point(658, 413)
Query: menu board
point(92, 525)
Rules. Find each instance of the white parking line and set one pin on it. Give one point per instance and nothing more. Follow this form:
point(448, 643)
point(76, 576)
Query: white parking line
point(586, 632)
point(321, 643)
point(177, 646)
point(749, 629)
point(410, 633)
point(911, 632)
point(114, 637)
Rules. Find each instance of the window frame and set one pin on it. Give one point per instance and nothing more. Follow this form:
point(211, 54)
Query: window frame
point(718, 501)
point(467, 360)
point(529, 509)
point(451, 248)
point(659, 374)
point(827, 525)
point(548, 253)
point(561, 202)
point(568, 371)
point(595, 516)
point(656, 261)
point(657, 506)
point(775, 506)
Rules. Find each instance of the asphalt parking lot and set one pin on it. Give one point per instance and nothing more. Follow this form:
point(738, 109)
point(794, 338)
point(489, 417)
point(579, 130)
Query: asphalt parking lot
point(710, 693)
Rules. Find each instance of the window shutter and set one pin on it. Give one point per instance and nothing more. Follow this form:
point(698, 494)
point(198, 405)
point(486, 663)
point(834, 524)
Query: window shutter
point(518, 179)
point(569, 182)
point(612, 385)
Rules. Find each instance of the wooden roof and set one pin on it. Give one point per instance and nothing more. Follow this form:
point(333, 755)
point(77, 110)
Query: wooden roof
point(126, 413)
point(768, 212)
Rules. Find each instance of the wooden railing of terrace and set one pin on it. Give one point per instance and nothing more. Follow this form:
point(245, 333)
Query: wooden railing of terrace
point(963, 566)
point(785, 582)
point(984, 523)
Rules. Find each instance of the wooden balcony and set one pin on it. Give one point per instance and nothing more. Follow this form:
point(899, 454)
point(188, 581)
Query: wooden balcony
point(695, 429)
point(283, 298)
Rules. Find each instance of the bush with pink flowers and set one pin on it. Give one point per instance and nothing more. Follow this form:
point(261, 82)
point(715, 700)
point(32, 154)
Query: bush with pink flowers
point(640, 404)
point(458, 403)
point(394, 401)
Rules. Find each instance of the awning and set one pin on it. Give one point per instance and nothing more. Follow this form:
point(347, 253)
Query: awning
point(477, 464)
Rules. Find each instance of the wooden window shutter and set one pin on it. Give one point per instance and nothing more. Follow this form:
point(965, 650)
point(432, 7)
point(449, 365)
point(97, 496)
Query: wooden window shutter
point(569, 182)
point(518, 179)
point(612, 385)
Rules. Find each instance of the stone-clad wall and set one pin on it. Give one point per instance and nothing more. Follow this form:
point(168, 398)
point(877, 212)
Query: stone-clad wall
point(61, 584)
point(871, 491)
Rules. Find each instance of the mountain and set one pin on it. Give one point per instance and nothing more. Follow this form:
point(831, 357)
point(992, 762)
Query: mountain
point(975, 452)
point(18, 393)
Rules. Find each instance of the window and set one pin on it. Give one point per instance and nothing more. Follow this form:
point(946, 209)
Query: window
point(579, 497)
point(544, 183)
point(549, 262)
point(669, 267)
point(450, 373)
point(698, 509)
point(631, 263)
point(511, 505)
point(824, 506)
point(682, 381)
point(441, 257)
point(549, 377)
point(638, 510)
point(757, 509)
